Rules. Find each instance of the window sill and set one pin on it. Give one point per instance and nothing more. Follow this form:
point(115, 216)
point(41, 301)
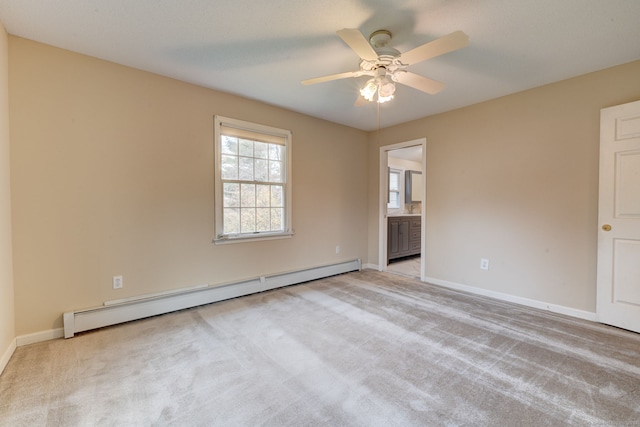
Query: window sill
point(243, 239)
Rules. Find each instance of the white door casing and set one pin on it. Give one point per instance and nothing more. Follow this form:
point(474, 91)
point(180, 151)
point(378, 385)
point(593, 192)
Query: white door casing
point(618, 288)
point(382, 206)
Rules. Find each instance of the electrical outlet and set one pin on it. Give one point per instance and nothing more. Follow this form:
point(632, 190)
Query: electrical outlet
point(337, 249)
point(117, 282)
point(484, 264)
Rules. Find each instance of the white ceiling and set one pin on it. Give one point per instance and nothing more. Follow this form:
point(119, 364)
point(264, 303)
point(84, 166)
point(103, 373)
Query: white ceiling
point(263, 49)
point(410, 153)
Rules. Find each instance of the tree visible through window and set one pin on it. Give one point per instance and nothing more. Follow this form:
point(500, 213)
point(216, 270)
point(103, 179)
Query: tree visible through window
point(252, 180)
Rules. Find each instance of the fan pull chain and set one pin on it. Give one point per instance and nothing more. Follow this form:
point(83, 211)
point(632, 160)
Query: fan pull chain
point(378, 123)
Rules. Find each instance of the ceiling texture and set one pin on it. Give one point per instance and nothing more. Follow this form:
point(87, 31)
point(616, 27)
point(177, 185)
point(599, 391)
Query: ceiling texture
point(263, 49)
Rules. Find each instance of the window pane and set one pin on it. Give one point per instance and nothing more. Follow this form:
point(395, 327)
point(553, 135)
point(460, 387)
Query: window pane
point(229, 167)
point(229, 145)
point(261, 171)
point(247, 195)
point(251, 185)
point(261, 150)
point(231, 195)
point(277, 219)
point(246, 148)
point(394, 180)
point(263, 219)
point(394, 202)
point(277, 201)
point(247, 220)
point(275, 171)
point(263, 196)
point(276, 152)
point(246, 169)
point(231, 221)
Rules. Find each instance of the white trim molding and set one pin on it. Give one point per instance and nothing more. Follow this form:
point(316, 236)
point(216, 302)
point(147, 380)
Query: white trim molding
point(554, 308)
point(4, 360)
point(383, 188)
point(50, 334)
point(23, 340)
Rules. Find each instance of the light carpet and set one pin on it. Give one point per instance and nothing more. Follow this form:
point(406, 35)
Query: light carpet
point(359, 349)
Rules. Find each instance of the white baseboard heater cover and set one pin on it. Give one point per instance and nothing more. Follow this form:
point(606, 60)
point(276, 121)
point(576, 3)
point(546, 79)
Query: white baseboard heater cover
point(128, 309)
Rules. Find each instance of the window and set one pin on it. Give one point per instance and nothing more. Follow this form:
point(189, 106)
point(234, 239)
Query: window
point(252, 181)
point(394, 189)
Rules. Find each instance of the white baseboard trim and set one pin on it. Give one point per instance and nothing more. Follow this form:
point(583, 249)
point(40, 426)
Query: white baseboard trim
point(7, 355)
point(371, 267)
point(554, 308)
point(51, 334)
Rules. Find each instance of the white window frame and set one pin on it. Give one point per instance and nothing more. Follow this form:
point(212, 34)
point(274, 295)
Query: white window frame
point(399, 190)
point(220, 237)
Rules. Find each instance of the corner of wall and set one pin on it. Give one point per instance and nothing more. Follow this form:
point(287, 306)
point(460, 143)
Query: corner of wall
point(4, 360)
point(7, 300)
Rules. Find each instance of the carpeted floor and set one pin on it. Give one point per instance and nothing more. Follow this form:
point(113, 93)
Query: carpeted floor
point(360, 349)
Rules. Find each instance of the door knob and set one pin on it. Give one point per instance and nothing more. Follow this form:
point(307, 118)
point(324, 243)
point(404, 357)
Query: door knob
point(606, 227)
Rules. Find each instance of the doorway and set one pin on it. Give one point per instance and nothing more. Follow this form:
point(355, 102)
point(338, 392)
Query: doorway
point(402, 210)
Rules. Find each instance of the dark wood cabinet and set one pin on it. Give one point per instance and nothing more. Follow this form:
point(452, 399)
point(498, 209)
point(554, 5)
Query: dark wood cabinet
point(403, 236)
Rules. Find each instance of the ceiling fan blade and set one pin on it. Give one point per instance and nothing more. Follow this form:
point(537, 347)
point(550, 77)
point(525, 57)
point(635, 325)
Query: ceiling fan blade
point(332, 77)
point(358, 43)
point(448, 43)
point(421, 83)
point(360, 101)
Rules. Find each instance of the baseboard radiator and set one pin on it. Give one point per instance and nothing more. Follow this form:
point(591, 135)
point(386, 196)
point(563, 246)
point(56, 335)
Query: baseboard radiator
point(128, 309)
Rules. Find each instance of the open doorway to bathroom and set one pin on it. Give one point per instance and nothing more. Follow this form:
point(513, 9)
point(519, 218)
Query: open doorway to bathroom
point(402, 213)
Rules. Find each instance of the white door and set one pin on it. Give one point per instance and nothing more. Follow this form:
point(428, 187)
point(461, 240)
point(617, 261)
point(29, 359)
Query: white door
point(618, 301)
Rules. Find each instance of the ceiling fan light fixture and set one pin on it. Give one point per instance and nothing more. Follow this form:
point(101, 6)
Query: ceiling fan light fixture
point(369, 90)
point(386, 88)
point(382, 99)
point(383, 87)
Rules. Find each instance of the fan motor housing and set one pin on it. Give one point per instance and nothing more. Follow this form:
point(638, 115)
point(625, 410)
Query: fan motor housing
point(386, 55)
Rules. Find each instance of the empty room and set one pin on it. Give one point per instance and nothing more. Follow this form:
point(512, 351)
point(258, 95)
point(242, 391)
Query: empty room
point(358, 213)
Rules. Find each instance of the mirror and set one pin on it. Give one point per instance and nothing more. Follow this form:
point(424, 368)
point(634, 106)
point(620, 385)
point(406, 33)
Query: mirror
point(413, 186)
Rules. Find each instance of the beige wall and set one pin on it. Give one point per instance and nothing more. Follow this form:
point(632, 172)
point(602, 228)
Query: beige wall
point(7, 328)
point(112, 174)
point(515, 180)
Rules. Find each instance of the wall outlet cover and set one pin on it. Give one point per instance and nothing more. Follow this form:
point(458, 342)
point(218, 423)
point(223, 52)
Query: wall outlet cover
point(117, 282)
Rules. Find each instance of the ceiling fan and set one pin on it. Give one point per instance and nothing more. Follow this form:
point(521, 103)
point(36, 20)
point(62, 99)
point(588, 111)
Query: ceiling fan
point(388, 66)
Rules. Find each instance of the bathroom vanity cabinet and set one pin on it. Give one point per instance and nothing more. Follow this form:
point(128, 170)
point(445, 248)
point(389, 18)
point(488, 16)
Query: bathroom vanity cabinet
point(403, 236)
